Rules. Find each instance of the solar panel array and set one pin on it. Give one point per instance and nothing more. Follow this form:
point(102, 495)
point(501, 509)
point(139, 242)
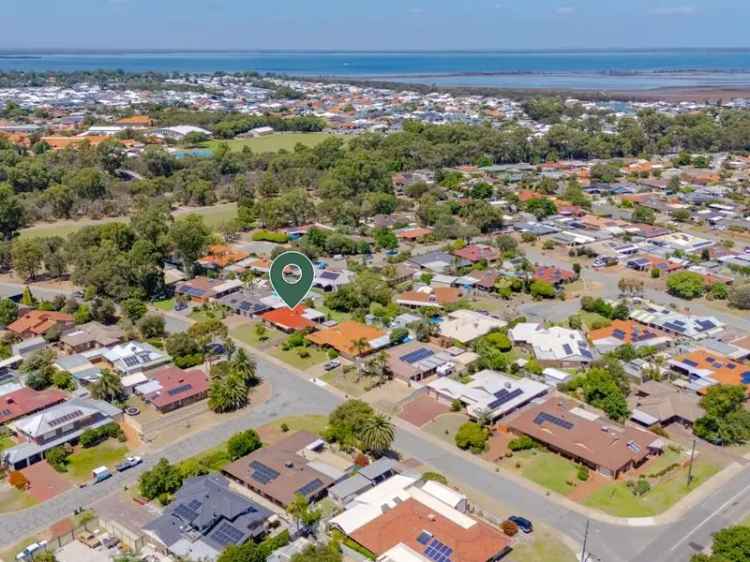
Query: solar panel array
point(66, 418)
point(545, 417)
point(424, 537)
point(185, 513)
point(438, 551)
point(179, 389)
point(503, 396)
point(417, 355)
point(568, 349)
point(745, 377)
point(5, 413)
point(262, 473)
point(227, 534)
point(633, 446)
point(619, 334)
point(192, 291)
point(310, 487)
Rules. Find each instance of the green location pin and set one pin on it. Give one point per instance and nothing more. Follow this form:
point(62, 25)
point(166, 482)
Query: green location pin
point(292, 275)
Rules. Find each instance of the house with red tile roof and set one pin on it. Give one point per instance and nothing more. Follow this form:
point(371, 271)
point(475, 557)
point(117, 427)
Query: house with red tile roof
point(220, 256)
point(429, 296)
point(344, 338)
point(621, 332)
point(39, 322)
point(413, 234)
point(26, 401)
point(478, 252)
point(289, 319)
point(553, 275)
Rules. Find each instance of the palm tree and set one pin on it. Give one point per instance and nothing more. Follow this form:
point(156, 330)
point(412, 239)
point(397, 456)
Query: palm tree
point(244, 365)
point(227, 394)
point(377, 434)
point(108, 387)
point(360, 345)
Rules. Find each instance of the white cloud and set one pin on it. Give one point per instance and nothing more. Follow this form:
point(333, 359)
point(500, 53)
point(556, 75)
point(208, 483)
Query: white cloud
point(565, 10)
point(674, 11)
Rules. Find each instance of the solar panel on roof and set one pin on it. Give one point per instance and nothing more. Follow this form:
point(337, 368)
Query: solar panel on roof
point(195, 505)
point(5, 413)
point(619, 334)
point(745, 377)
point(227, 534)
point(545, 417)
point(504, 397)
point(262, 473)
point(567, 348)
point(690, 362)
point(185, 513)
point(179, 389)
point(310, 487)
point(65, 418)
point(416, 355)
point(424, 537)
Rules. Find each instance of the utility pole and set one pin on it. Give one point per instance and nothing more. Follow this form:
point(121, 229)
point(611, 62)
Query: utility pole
point(584, 556)
point(690, 469)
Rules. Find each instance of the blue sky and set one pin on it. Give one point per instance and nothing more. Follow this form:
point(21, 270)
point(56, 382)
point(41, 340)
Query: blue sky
point(367, 24)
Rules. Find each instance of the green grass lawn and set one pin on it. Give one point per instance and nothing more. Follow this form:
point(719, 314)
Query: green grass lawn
point(246, 334)
point(332, 314)
point(6, 442)
point(542, 547)
point(547, 469)
point(445, 426)
point(166, 304)
point(316, 357)
point(203, 315)
point(81, 463)
point(272, 143)
point(616, 498)
point(15, 500)
point(590, 319)
point(745, 522)
point(347, 382)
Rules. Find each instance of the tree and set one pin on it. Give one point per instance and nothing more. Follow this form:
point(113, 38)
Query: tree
point(346, 422)
point(686, 284)
point(108, 387)
point(303, 514)
point(643, 215)
point(134, 309)
point(377, 434)
point(319, 553)
point(190, 237)
point(424, 330)
point(8, 312)
point(398, 335)
point(541, 208)
point(151, 326)
point(472, 436)
point(164, 478)
point(726, 421)
point(385, 238)
point(11, 212)
point(244, 443)
point(227, 392)
point(245, 366)
point(542, 290)
point(739, 296)
point(729, 545)
point(27, 256)
point(38, 368)
point(604, 387)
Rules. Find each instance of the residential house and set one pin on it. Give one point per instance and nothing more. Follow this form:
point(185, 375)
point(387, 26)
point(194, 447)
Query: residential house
point(366, 477)
point(91, 335)
point(58, 425)
point(622, 332)
point(346, 336)
point(429, 296)
point(246, 302)
point(330, 279)
point(26, 401)
point(278, 472)
point(202, 289)
point(489, 393)
point(220, 256)
point(476, 253)
point(555, 346)
point(206, 517)
point(661, 404)
point(465, 326)
point(704, 369)
point(133, 356)
point(171, 388)
point(553, 275)
point(415, 361)
point(39, 322)
point(80, 366)
point(438, 261)
point(295, 319)
point(676, 323)
point(580, 435)
point(28, 346)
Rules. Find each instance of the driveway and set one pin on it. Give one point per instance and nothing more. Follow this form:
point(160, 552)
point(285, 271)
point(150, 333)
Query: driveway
point(44, 481)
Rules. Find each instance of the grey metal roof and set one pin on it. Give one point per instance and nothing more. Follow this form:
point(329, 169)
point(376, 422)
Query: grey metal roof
point(378, 468)
point(350, 486)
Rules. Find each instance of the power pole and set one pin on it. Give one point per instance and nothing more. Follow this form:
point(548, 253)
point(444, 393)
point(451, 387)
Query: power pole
point(690, 468)
point(584, 556)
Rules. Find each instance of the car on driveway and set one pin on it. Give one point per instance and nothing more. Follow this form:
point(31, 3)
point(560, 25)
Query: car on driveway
point(331, 365)
point(522, 523)
point(128, 463)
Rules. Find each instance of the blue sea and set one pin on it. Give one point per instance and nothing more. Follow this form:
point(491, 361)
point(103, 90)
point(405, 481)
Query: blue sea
point(590, 70)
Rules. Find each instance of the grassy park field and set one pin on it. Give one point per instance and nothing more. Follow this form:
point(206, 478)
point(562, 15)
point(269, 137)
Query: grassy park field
point(273, 142)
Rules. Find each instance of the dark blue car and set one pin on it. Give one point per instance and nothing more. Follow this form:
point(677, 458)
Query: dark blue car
point(524, 524)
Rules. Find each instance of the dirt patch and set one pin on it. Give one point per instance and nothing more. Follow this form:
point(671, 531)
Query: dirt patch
point(497, 446)
point(584, 489)
point(44, 481)
point(423, 410)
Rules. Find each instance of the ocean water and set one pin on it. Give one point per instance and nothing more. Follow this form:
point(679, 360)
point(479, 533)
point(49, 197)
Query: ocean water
point(606, 70)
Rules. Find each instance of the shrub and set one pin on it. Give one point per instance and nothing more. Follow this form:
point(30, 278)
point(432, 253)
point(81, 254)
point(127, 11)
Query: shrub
point(18, 480)
point(92, 437)
point(509, 528)
point(542, 290)
point(456, 406)
point(57, 457)
point(521, 443)
point(270, 236)
point(187, 361)
point(655, 273)
point(583, 473)
point(639, 487)
point(435, 477)
point(472, 436)
point(284, 427)
point(361, 460)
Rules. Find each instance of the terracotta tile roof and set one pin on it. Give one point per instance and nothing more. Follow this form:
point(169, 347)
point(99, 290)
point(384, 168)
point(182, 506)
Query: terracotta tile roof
point(723, 369)
point(477, 252)
point(288, 318)
point(437, 296)
point(627, 331)
point(342, 336)
point(39, 321)
point(405, 522)
point(221, 255)
point(414, 233)
point(25, 401)
point(58, 143)
point(553, 275)
point(177, 385)
point(142, 120)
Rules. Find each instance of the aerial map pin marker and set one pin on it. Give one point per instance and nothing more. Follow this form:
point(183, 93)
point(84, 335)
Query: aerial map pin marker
point(292, 275)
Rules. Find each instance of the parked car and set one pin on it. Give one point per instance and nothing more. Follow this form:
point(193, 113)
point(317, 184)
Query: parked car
point(331, 365)
point(522, 523)
point(604, 261)
point(129, 462)
point(180, 306)
point(30, 550)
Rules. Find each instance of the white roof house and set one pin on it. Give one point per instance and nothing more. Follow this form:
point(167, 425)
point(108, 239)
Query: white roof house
point(553, 344)
point(467, 325)
point(489, 392)
point(133, 357)
point(181, 131)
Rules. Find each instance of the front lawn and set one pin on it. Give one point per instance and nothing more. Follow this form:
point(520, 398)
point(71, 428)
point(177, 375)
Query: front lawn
point(12, 499)
point(332, 314)
point(446, 426)
point(166, 304)
point(246, 334)
point(83, 461)
point(617, 499)
point(315, 357)
point(547, 469)
point(543, 546)
point(5, 443)
point(347, 382)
